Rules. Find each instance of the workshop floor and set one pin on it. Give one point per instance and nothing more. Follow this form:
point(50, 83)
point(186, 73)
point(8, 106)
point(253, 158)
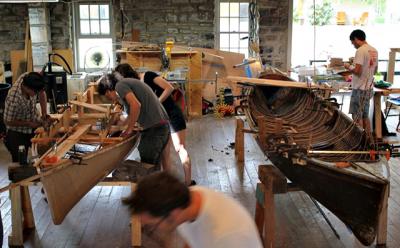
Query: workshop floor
point(99, 220)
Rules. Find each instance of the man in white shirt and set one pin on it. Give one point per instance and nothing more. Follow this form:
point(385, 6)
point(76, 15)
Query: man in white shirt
point(203, 217)
point(364, 67)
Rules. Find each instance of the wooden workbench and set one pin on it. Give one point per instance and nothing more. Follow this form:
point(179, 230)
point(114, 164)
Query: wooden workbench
point(207, 71)
point(179, 59)
point(378, 93)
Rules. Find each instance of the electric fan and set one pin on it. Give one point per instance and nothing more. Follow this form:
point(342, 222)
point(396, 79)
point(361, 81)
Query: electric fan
point(96, 58)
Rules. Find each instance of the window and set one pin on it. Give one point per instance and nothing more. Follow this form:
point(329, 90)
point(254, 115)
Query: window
point(234, 26)
point(94, 36)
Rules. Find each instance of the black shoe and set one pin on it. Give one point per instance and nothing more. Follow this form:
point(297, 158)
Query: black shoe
point(192, 183)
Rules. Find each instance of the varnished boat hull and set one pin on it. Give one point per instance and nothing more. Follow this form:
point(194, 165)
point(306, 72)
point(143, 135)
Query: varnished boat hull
point(68, 185)
point(355, 201)
point(355, 198)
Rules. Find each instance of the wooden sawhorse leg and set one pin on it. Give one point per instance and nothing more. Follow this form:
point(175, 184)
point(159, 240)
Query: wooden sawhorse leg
point(239, 138)
point(272, 182)
point(21, 215)
point(382, 224)
point(136, 226)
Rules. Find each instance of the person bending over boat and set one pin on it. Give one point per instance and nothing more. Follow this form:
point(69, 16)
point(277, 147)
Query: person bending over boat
point(163, 89)
point(203, 217)
point(142, 107)
point(20, 114)
point(364, 68)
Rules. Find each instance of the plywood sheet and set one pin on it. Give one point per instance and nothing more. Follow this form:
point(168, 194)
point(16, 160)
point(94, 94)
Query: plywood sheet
point(17, 57)
point(68, 55)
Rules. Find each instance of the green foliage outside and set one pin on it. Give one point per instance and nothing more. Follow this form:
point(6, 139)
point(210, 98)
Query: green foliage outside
point(323, 14)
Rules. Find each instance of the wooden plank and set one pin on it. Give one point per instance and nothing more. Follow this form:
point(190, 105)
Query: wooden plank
point(82, 139)
point(28, 48)
point(66, 145)
point(16, 57)
point(89, 116)
point(381, 237)
point(239, 140)
point(195, 89)
point(377, 115)
point(90, 106)
point(29, 221)
point(279, 83)
point(16, 238)
point(68, 56)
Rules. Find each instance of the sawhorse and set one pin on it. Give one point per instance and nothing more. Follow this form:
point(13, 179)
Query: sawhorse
point(22, 214)
point(274, 182)
point(239, 138)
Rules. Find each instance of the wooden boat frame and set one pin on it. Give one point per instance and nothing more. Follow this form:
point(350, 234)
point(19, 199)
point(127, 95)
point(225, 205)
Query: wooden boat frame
point(67, 180)
point(356, 196)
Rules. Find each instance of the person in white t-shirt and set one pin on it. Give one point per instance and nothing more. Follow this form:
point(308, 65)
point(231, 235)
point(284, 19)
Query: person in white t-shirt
point(364, 67)
point(203, 217)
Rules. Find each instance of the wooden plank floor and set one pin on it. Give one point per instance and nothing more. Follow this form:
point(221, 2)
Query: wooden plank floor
point(99, 219)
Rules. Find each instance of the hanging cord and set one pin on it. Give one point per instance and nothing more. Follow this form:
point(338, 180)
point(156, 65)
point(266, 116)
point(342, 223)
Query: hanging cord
point(254, 41)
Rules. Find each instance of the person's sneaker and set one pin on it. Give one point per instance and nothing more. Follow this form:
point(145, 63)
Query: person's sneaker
point(192, 183)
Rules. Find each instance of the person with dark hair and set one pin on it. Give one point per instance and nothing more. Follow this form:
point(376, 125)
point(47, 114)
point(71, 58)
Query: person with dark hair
point(163, 89)
point(20, 114)
point(203, 217)
point(364, 67)
point(142, 107)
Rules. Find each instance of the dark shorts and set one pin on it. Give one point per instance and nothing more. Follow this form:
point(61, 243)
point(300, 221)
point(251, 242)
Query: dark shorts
point(152, 143)
point(15, 139)
point(359, 103)
point(176, 119)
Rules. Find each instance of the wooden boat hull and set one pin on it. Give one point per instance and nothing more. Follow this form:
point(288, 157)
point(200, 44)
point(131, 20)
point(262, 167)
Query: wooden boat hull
point(355, 201)
point(68, 185)
point(291, 126)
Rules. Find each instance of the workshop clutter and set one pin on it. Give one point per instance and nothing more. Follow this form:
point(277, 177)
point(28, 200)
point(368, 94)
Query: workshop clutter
point(224, 106)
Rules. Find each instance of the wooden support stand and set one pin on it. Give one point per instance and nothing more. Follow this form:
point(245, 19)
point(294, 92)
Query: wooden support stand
point(272, 182)
point(382, 224)
point(239, 139)
point(22, 214)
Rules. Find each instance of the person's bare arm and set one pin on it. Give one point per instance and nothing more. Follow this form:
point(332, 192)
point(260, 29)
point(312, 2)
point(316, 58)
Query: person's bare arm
point(357, 69)
point(134, 111)
point(166, 86)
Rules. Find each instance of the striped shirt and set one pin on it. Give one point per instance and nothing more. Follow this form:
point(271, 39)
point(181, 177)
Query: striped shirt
point(20, 107)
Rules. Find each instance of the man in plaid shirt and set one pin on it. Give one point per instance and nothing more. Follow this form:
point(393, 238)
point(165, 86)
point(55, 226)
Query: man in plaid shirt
point(20, 114)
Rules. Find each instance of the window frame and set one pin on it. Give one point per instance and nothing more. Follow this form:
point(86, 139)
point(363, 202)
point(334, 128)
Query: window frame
point(217, 26)
point(78, 35)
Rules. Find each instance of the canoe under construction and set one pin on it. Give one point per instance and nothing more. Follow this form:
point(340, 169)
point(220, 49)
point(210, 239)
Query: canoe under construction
point(321, 150)
point(82, 153)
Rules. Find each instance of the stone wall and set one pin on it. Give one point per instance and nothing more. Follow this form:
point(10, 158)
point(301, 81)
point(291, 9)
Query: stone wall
point(274, 33)
point(12, 28)
point(188, 22)
point(13, 19)
point(61, 25)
